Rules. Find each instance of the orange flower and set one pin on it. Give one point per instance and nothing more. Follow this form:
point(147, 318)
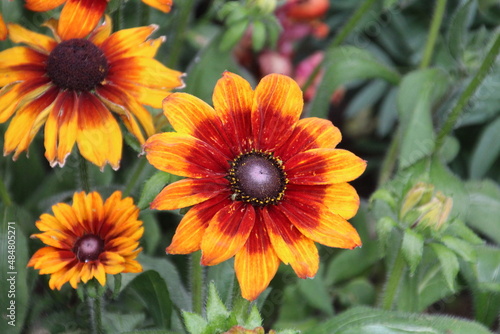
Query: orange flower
point(3, 29)
point(80, 17)
point(263, 184)
point(88, 239)
point(72, 86)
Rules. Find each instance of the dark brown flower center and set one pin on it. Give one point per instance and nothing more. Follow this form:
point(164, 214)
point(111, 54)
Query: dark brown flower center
point(257, 178)
point(77, 64)
point(88, 248)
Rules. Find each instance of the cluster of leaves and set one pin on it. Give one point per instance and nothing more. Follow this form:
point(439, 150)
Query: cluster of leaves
point(394, 113)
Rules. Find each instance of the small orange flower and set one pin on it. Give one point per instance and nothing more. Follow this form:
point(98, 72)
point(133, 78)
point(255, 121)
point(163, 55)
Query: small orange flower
point(263, 184)
point(79, 17)
point(88, 239)
point(73, 85)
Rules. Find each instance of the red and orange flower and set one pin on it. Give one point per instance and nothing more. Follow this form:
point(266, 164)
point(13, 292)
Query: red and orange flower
point(264, 185)
point(88, 239)
point(79, 17)
point(3, 29)
point(71, 85)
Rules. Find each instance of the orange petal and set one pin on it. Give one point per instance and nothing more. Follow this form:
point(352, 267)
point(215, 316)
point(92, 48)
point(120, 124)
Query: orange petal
point(340, 198)
point(256, 263)
point(227, 232)
point(233, 99)
point(184, 155)
point(309, 133)
point(113, 262)
point(145, 95)
point(39, 42)
point(290, 244)
point(123, 43)
point(61, 128)
point(163, 5)
point(100, 274)
point(324, 166)
point(146, 71)
point(43, 5)
point(13, 95)
point(56, 239)
point(79, 17)
point(278, 108)
point(189, 233)
point(27, 122)
point(102, 32)
point(21, 63)
point(189, 192)
point(190, 115)
point(99, 137)
point(88, 208)
point(318, 223)
point(3, 29)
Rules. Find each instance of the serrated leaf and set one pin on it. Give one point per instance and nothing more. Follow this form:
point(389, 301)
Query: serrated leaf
point(195, 323)
point(460, 21)
point(449, 263)
point(375, 321)
point(152, 188)
point(152, 291)
point(417, 93)
point(486, 151)
point(412, 247)
point(462, 248)
point(342, 65)
point(254, 319)
point(216, 310)
point(385, 226)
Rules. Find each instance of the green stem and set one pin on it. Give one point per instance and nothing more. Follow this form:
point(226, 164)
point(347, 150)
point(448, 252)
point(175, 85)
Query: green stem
point(468, 93)
point(196, 282)
point(389, 161)
point(433, 33)
point(145, 11)
point(341, 36)
point(181, 24)
point(4, 194)
point(84, 174)
point(95, 308)
point(118, 17)
point(393, 279)
point(135, 177)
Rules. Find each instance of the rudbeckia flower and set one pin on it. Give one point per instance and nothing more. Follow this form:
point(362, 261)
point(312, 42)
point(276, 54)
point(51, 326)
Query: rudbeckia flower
point(79, 17)
point(88, 239)
point(3, 28)
point(264, 184)
point(73, 85)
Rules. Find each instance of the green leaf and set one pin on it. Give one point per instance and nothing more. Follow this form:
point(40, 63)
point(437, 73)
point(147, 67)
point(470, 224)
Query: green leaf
point(152, 233)
point(233, 34)
point(486, 151)
point(342, 65)
point(152, 291)
point(413, 249)
point(254, 318)
point(488, 268)
point(216, 311)
point(152, 188)
point(484, 208)
point(195, 323)
point(462, 248)
point(315, 293)
point(375, 321)
point(457, 32)
point(449, 263)
point(258, 35)
point(417, 93)
point(385, 226)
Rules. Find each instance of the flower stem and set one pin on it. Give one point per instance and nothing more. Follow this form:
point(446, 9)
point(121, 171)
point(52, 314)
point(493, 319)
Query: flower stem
point(95, 308)
point(133, 179)
point(392, 283)
point(389, 161)
point(433, 33)
point(4, 194)
point(84, 174)
point(468, 92)
point(181, 24)
point(196, 282)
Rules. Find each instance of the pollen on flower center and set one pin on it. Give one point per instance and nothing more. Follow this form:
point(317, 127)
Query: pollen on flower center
point(257, 178)
point(77, 64)
point(88, 248)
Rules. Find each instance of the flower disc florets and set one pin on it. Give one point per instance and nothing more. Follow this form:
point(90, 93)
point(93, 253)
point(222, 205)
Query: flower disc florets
point(257, 178)
point(88, 248)
point(77, 64)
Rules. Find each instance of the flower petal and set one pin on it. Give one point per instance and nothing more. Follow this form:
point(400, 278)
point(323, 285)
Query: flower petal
point(189, 233)
point(233, 99)
point(320, 224)
point(123, 43)
point(39, 42)
point(256, 263)
point(184, 155)
point(43, 5)
point(309, 133)
point(3, 29)
point(79, 17)
point(189, 192)
point(290, 244)
point(279, 103)
point(99, 137)
point(227, 232)
point(12, 96)
point(163, 5)
point(324, 166)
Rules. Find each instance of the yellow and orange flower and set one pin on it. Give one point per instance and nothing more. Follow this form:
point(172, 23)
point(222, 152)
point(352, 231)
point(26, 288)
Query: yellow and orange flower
point(3, 29)
point(72, 86)
point(88, 239)
point(79, 17)
point(264, 185)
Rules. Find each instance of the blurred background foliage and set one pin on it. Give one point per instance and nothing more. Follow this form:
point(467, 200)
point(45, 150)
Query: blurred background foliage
point(392, 92)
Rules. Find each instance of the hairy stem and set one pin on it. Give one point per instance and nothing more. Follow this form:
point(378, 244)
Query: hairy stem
point(437, 18)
